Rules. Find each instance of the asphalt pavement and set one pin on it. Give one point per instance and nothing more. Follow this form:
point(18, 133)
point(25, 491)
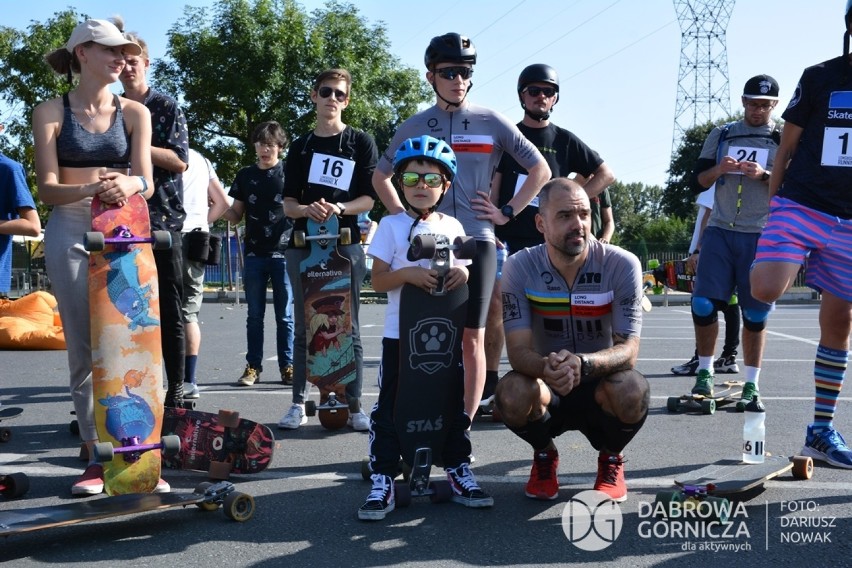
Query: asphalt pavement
point(306, 502)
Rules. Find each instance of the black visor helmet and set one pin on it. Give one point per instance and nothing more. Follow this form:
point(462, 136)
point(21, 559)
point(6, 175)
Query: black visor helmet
point(450, 48)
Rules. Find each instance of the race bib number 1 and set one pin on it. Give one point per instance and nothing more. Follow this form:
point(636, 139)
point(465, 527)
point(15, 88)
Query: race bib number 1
point(836, 147)
point(331, 171)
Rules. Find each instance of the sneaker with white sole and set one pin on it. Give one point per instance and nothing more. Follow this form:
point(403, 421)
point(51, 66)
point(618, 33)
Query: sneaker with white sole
point(727, 363)
point(91, 482)
point(294, 418)
point(828, 446)
point(250, 376)
point(687, 369)
point(190, 391)
point(703, 383)
point(162, 486)
point(465, 488)
point(358, 421)
point(749, 391)
point(381, 499)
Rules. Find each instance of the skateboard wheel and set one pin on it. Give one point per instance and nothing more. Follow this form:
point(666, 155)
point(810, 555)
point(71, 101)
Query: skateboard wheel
point(229, 418)
point(170, 445)
point(5, 434)
point(441, 491)
point(239, 506)
point(803, 467)
point(667, 498)
point(653, 263)
point(310, 408)
point(161, 240)
point(299, 239)
point(422, 247)
point(104, 452)
point(465, 247)
point(719, 507)
point(93, 241)
point(708, 406)
point(345, 236)
point(14, 485)
point(672, 404)
point(220, 470)
point(403, 494)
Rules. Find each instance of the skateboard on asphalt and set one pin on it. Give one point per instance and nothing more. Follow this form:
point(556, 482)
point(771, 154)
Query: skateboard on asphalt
point(8, 413)
point(14, 485)
point(716, 483)
point(431, 377)
point(207, 496)
point(218, 444)
point(729, 394)
point(326, 286)
point(127, 374)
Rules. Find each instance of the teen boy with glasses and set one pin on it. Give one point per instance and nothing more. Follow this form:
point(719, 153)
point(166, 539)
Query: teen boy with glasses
point(479, 136)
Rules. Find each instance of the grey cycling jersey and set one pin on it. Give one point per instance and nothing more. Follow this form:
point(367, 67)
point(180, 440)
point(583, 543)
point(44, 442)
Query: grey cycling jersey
point(478, 136)
point(582, 316)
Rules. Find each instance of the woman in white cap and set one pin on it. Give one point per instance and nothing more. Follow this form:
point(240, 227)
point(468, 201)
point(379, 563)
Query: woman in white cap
point(87, 142)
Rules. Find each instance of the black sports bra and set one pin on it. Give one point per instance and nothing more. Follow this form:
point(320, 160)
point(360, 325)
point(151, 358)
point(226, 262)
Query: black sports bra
point(76, 147)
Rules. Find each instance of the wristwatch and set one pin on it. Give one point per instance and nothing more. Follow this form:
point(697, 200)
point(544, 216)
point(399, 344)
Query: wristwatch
point(508, 211)
point(585, 366)
point(342, 207)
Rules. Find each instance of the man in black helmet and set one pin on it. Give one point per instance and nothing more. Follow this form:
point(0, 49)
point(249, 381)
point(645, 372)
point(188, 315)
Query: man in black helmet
point(566, 154)
point(479, 137)
point(810, 217)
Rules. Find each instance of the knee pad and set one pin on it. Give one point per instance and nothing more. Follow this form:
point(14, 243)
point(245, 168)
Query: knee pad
point(704, 311)
point(754, 319)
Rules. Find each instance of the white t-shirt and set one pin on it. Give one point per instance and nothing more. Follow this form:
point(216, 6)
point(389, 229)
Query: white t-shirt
point(390, 244)
point(196, 180)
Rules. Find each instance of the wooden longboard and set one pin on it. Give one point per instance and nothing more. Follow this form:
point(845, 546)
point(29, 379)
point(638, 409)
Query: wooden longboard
point(126, 347)
point(723, 394)
point(220, 443)
point(326, 285)
point(732, 476)
point(208, 496)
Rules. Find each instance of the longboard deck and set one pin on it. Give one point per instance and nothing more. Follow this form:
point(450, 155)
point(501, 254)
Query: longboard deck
point(39, 518)
point(247, 448)
point(431, 380)
point(731, 476)
point(126, 346)
point(326, 285)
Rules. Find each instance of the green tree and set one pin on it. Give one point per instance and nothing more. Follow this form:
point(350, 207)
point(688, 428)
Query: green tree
point(26, 80)
point(244, 62)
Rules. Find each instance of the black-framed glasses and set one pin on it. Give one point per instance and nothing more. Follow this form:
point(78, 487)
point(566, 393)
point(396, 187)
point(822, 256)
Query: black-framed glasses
point(534, 91)
point(411, 179)
point(450, 73)
point(326, 92)
point(763, 107)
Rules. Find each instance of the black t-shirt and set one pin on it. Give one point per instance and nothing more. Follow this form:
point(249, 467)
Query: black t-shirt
point(335, 168)
point(820, 172)
point(565, 153)
point(262, 192)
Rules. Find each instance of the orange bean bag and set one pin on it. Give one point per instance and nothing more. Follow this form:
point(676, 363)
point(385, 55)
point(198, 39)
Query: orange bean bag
point(31, 322)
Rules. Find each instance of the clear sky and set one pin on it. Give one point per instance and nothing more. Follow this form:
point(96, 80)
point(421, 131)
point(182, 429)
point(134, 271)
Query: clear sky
point(617, 59)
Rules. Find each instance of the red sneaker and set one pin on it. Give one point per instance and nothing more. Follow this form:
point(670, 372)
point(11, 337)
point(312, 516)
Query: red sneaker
point(91, 482)
point(611, 476)
point(543, 483)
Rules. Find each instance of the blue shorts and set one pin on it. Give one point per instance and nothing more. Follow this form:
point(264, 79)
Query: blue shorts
point(797, 234)
point(724, 266)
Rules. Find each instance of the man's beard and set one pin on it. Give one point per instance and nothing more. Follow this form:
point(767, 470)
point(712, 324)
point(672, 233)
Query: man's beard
point(571, 250)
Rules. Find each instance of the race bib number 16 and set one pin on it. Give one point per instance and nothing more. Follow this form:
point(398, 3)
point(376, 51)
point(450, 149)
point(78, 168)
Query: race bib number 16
point(837, 147)
point(331, 171)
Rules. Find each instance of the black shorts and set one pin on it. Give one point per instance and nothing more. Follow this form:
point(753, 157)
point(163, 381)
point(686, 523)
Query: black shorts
point(577, 411)
point(480, 284)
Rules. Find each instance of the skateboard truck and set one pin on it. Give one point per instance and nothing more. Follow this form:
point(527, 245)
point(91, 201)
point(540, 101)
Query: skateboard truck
point(122, 237)
point(418, 482)
point(131, 449)
point(438, 251)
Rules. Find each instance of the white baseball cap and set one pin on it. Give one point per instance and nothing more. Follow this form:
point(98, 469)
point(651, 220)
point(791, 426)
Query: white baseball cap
point(102, 32)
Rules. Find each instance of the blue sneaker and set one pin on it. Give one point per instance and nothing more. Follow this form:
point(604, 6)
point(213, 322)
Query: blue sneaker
point(828, 446)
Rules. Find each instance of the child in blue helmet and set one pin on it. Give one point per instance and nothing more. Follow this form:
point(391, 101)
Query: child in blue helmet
point(424, 168)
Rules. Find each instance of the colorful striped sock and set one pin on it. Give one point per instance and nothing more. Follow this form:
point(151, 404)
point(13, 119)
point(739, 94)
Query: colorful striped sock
point(829, 369)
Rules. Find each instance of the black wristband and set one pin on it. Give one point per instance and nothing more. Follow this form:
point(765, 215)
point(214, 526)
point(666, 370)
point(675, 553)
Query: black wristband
point(696, 251)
